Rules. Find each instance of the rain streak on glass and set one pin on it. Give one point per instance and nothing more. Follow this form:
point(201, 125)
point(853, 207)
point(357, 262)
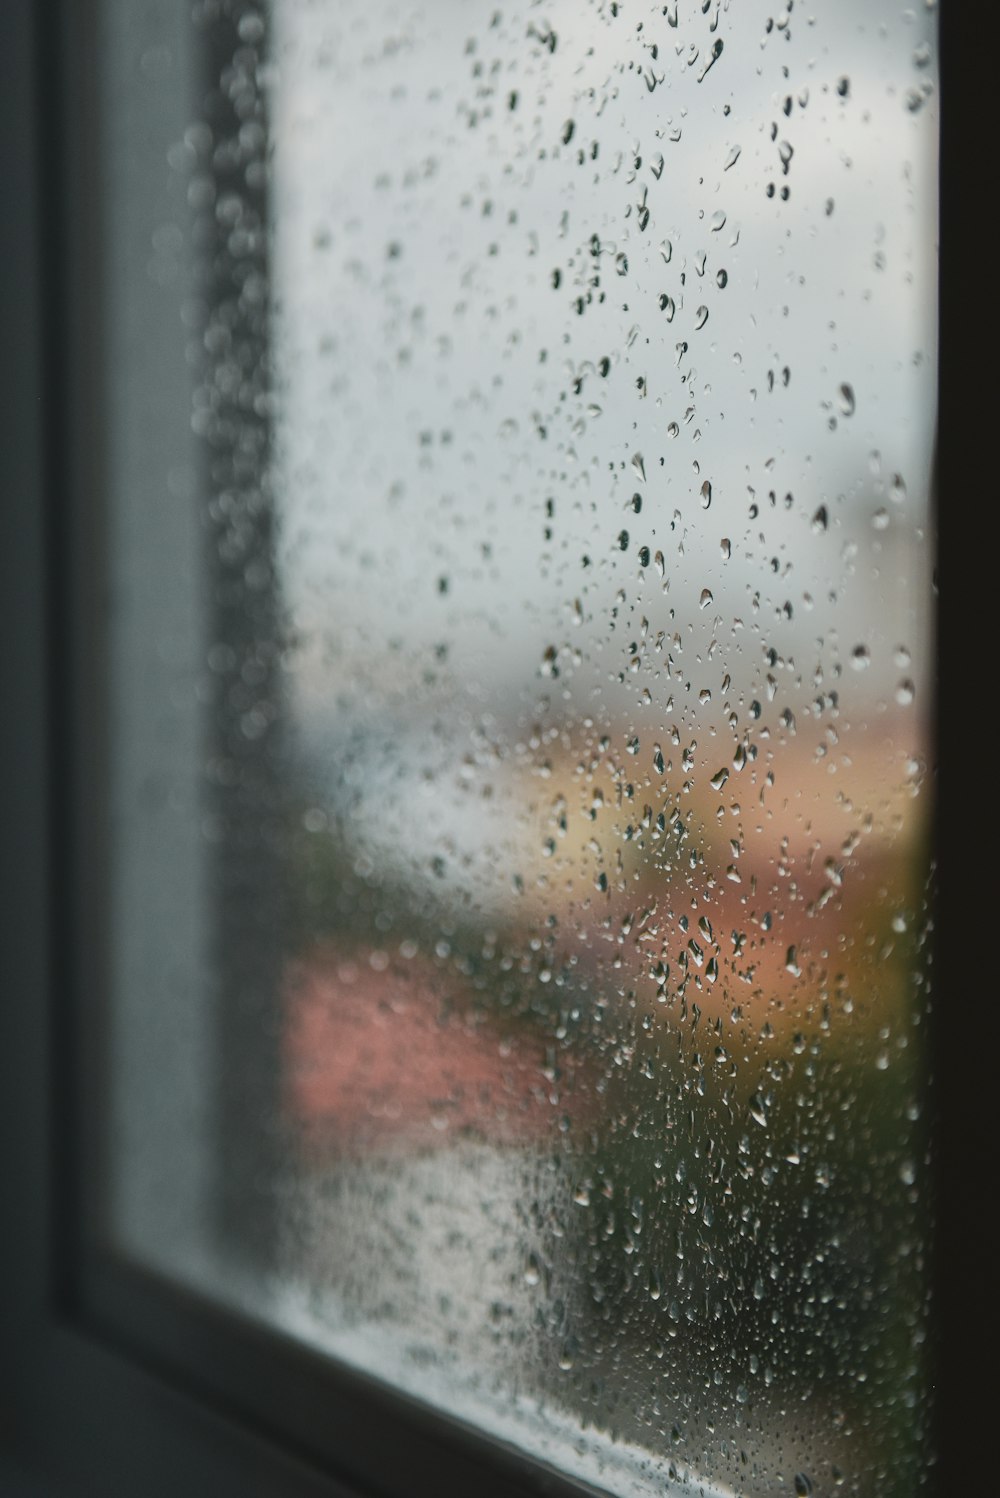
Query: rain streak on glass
point(600, 407)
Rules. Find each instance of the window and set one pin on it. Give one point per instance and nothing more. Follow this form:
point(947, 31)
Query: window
point(500, 725)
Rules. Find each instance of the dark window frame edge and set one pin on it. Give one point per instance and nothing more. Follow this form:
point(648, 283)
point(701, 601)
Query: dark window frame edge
point(47, 1330)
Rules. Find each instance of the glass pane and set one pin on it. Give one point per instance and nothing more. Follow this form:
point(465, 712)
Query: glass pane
point(521, 678)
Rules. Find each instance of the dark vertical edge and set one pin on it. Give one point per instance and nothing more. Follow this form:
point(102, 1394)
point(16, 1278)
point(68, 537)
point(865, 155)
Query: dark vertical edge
point(963, 1035)
point(245, 762)
point(77, 678)
point(55, 180)
point(937, 1480)
point(50, 358)
point(24, 860)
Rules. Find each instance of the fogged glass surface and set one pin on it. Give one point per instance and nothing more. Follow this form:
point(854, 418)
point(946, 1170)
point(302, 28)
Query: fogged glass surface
point(557, 779)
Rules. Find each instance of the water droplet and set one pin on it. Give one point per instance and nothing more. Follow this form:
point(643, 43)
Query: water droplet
point(713, 57)
point(905, 693)
point(719, 779)
point(726, 547)
point(673, 429)
point(721, 279)
point(706, 495)
point(700, 318)
point(897, 489)
point(845, 397)
point(821, 519)
point(732, 158)
point(639, 466)
point(880, 519)
point(251, 28)
point(705, 599)
point(861, 658)
point(915, 98)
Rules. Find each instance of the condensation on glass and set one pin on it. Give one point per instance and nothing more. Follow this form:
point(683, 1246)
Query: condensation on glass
point(521, 676)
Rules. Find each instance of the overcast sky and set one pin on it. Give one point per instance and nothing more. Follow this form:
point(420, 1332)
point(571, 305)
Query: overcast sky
point(460, 446)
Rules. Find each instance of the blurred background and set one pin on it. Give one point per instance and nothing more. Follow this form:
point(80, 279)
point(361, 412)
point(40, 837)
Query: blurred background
point(560, 747)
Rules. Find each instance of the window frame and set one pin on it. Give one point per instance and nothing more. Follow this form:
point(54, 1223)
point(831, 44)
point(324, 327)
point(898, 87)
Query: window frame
point(114, 1380)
